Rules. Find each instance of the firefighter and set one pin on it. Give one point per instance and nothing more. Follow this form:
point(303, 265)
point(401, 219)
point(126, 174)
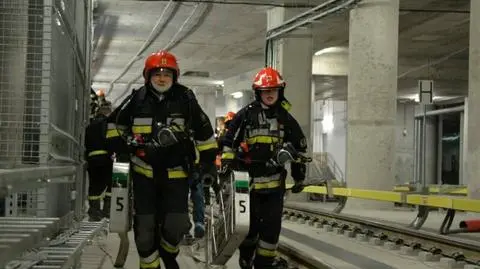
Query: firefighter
point(263, 126)
point(162, 125)
point(99, 165)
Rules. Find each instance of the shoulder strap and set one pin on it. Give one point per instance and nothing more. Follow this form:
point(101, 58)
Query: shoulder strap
point(243, 125)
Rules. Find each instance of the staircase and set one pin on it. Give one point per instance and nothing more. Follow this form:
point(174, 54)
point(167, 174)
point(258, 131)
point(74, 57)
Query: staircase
point(324, 168)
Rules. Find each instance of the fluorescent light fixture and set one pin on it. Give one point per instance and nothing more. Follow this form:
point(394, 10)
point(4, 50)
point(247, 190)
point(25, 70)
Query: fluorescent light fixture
point(416, 97)
point(237, 95)
point(331, 50)
point(327, 124)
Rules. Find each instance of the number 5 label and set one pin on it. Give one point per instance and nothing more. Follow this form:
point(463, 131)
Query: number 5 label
point(242, 210)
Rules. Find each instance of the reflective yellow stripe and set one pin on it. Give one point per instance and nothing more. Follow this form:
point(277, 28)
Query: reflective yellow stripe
point(207, 146)
point(263, 139)
point(177, 128)
point(177, 174)
point(286, 105)
point(152, 261)
point(266, 252)
point(141, 129)
point(95, 197)
point(149, 173)
point(267, 185)
point(108, 194)
point(113, 133)
point(168, 247)
point(143, 171)
point(114, 130)
point(154, 264)
point(97, 152)
point(228, 155)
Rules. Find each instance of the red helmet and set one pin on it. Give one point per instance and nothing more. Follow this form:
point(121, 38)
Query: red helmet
point(161, 59)
point(268, 78)
point(100, 93)
point(230, 115)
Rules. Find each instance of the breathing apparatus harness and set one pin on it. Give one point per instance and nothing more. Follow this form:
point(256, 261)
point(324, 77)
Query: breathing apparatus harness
point(163, 136)
point(282, 153)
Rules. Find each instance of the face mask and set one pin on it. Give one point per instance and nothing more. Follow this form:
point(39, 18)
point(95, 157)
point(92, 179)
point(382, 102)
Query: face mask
point(161, 89)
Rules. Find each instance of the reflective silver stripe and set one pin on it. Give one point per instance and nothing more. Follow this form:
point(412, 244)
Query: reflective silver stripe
point(113, 126)
point(266, 132)
point(273, 124)
point(266, 179)
point(266, 245)
point(178, 121)
point(137, 161)
point(263, 131)
point(155, 255)
point(227, 149)
point(142, 121)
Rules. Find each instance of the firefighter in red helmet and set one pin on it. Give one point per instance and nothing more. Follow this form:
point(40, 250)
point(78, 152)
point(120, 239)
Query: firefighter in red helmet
point(263, 127)
point(162, 126)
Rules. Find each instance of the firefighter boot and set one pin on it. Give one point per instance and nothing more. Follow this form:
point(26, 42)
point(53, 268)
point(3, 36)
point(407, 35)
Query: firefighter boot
point(106, 207)
point(245, 264)
point(170, 261)
point(247, 253)
point(94, 212)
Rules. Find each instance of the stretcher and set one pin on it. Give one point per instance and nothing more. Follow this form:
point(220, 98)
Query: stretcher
point(121, 209)
point(229, 220)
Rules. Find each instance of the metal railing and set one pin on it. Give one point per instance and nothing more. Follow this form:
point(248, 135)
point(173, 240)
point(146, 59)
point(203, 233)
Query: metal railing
point(44, 95)
point(326, 165)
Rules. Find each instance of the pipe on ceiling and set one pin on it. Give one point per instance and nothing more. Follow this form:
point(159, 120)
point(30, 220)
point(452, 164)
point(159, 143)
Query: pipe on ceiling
point(332, 6)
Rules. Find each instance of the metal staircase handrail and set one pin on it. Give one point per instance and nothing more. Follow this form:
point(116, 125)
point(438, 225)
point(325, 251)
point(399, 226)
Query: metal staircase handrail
point(328, 160)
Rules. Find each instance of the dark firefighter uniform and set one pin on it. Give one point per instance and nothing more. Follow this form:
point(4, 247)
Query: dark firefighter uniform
point(162, 175)
point(263, 130)
point(99, 168)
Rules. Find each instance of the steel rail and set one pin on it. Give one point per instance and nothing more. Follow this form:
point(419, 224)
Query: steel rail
point(457, 248)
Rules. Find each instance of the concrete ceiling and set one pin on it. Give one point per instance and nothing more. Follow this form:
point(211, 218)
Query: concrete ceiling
point(216, 41)
point(433, 44)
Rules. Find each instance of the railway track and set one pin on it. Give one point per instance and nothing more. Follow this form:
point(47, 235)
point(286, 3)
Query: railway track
point(430, 246)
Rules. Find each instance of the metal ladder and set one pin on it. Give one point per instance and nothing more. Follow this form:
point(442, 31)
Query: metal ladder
point(62, 252)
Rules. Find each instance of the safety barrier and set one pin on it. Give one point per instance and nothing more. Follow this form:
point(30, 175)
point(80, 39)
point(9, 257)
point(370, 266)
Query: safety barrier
point(435, 189)
point(425, 202)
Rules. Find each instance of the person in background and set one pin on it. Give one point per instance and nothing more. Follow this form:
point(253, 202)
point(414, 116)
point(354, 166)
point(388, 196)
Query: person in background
point(99, 164)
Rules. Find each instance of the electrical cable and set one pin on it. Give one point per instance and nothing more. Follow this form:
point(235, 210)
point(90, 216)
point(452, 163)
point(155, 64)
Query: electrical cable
point(151, 37)
point(245, 3)
point(171, 44)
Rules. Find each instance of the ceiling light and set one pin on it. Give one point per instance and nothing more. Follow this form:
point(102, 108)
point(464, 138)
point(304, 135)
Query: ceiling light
point(237, 95)
point(331, 50)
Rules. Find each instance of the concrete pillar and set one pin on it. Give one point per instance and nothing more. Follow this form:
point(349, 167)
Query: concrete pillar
point(473, 152)
point(206, 98)
point(371, 102)
point(463, 180)
point(293, 59)
point(405, 143)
